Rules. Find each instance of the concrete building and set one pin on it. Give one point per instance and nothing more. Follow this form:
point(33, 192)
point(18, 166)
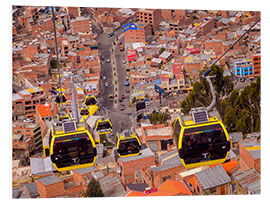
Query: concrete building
point(243, 69)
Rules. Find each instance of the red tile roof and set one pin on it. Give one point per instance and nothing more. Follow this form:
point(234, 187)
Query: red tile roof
point(174, 187)
point(45, 110)
point(133, 193)
point(227, 166)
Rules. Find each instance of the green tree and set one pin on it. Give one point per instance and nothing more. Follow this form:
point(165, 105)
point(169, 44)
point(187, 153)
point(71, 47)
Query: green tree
point(94, 189)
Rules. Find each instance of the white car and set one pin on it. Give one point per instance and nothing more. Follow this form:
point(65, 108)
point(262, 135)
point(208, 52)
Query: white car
point(124, 62)
point(108, 60)
point(106, 84)
point(104, 77)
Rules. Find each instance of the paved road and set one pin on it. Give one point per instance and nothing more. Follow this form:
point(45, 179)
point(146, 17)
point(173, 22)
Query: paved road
point(120, 120)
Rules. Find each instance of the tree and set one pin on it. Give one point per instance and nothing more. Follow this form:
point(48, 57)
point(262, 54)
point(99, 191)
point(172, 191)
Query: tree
point(94, 189)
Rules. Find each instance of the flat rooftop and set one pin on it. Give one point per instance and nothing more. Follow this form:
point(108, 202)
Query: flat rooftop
point(166, 131)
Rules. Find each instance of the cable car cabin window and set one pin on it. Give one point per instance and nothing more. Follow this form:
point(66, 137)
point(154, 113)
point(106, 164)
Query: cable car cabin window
point(204, 143)
point(176, 132)
point(60, 98)
point(104, 126)
point(90, 101)
point(129, 146)
point(73, 150)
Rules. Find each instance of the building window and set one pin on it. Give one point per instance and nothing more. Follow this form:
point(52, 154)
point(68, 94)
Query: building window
point(166, 178)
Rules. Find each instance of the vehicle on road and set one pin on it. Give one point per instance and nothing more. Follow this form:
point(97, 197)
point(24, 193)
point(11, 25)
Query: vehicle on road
point(124, 62)
point(106, 84)
point(126, 83)
point(127, 91)
point(121, 47)
point(123, 96)
point(111, 97)
point(108, 60)
point(120, 100)
point(104, 77)
point(122, 107)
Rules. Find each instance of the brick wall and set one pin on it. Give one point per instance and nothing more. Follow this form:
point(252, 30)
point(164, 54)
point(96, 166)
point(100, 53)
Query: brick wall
point(128, 168)
point(53, 190)
point(160, 176)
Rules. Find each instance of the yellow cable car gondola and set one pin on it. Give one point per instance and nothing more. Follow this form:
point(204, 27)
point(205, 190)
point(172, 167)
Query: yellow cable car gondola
point(70, 146)
point(84, 112)
point(128, 144)
point(63, 117)
point(91, 103)
point(90, 100)
point(61, 98)
point(201, 139)
point(104, 126)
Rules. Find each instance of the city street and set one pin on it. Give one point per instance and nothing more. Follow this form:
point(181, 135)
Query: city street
point(119, 118)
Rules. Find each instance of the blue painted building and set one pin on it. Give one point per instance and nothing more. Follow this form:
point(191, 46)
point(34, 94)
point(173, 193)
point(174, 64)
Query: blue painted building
point(243, 69)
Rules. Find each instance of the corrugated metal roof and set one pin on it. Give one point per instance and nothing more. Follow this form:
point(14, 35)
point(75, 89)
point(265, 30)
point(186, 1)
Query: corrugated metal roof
point(145, 153)
point(97, 174)
point(256, 154)
point(32, 189)
point(236, 137)
point(111, 187)
point(83, 171)
point(41, 165)
point(48, 180)
point(255, 187)
point(212, 177)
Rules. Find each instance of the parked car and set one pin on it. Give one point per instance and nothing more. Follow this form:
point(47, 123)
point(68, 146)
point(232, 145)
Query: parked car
point(108, 60)
point(122, 107)
point(104, 77)
point(124, 62)
point(120, 100)
point(126, 83)
point(106, 84)
point(111, 97)
point(123, 96)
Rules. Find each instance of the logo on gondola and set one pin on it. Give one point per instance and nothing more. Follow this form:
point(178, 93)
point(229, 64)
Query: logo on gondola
point(205, 155)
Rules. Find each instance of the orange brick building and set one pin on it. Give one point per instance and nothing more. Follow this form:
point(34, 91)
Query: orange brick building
point(151, 16)
point(80, 24)
point(250, 155)
point(29, 130)
point(128, 165)
point(136, 32)
point(24, 103)
point(52, 186)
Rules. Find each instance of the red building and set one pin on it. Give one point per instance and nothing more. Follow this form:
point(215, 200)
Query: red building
point(256, 65)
